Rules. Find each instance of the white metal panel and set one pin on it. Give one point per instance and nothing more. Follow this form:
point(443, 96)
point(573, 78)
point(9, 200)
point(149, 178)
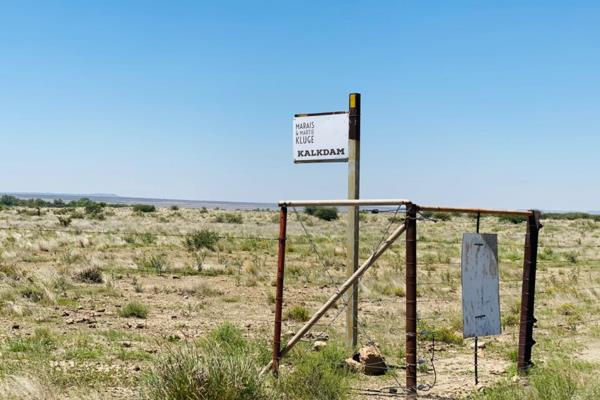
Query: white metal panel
point(319, 138)
point(480, 285)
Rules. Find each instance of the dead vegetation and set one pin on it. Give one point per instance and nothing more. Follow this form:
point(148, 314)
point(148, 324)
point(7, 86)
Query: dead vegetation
point(90, 307)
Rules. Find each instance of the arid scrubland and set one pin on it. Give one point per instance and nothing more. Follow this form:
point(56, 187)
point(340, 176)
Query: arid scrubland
point(114, 303)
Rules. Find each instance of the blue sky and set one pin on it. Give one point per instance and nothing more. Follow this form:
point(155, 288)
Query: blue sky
point(464, 102)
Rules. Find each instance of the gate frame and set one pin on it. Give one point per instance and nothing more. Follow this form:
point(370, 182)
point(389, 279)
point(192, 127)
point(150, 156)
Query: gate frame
point(527, 319)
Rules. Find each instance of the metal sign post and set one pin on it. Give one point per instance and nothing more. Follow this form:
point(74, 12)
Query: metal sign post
point(353, 228)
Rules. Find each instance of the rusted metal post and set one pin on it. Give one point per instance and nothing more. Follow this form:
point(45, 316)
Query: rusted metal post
point(279, 290)
point(526, 341)
point(353, 220)
point(411, 300)
point(475, 361)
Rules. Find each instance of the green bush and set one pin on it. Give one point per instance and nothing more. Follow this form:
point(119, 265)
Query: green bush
point(513, 219)
point(559, 379)
point(144, 208)
point(440, 334)
point(316, 375)
point(65, 221)
point(41, 342)
point(156, 263)
point(297, 313)
point(222, 366)
point(229, 218)
point(571, 216)
point(134, 309)
point(202, 239)
point(442, 216)
point(93, 209)
point(324, 213)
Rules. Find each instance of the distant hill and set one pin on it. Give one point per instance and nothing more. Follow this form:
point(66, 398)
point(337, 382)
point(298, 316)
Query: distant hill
point(116, 199)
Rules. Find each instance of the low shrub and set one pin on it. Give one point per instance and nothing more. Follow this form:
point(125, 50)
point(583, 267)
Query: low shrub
point(316, 375)
point(93, 209)
point(222, 366)
point(229, 218)
point(156, 263)
point(134, 310)
point(324, 213)
point(89, 275)
point(297, 313)
point(202, 239)
point(513, 219)
point(144, 208)
point(558, 379)
point(41, 342)
point(33, 293)
point(440, 334)
point(65, 221)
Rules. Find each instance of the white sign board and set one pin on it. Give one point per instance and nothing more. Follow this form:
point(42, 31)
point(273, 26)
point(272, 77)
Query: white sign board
point(321, 137)
point(480, 285)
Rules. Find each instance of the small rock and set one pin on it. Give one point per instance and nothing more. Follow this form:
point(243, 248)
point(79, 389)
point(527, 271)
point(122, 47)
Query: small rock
point(140, 326)
point(339, 251)
point(318, 345)
point(480, 345)
point(126, 344)
point(373, 360)
point(354, 366)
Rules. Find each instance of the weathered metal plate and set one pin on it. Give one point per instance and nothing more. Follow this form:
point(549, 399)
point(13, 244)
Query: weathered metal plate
point(480, 285)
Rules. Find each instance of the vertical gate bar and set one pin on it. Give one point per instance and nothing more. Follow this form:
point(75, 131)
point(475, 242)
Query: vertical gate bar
point(526, 341)
point(475, 361)
point(353, 220)
point(411, 300)
point(279, 289)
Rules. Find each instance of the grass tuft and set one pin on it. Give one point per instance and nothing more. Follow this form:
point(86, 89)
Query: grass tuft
point(134, 309)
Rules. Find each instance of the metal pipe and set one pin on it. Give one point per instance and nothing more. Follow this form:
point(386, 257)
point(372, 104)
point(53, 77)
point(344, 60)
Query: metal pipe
point(339, 293)
point(343, 202)
point(411, 300)
point(475, 361)
point(279, 290)
point(399, 202)
point(487, 211)
point(526, 341)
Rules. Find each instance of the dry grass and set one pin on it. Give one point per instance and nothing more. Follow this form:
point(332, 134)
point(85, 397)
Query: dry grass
point(144, 258)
